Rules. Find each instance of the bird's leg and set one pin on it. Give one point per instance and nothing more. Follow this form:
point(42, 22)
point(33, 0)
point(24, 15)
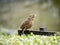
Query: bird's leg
point(26, 30)
point(22, 31)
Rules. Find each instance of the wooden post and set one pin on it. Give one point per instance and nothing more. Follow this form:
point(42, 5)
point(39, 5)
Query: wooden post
point(37, 33)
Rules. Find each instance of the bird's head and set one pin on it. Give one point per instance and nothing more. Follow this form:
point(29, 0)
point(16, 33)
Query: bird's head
point(32, 16)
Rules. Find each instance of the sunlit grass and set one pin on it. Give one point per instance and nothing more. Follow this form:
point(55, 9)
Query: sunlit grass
point(29, 39)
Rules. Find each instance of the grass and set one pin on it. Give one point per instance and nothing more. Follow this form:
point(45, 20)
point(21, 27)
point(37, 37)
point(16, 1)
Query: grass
point(29, 39)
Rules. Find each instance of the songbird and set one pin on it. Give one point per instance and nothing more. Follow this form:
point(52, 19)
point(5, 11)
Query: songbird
point(27, 24)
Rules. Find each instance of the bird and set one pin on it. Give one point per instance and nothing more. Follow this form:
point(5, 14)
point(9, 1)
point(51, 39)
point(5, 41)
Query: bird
point(27, 24)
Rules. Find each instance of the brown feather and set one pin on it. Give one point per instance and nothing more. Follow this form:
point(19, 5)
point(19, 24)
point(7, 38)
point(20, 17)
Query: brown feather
point(28, 23)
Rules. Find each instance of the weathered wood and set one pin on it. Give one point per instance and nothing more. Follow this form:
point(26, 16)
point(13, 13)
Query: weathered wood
point(37, 33)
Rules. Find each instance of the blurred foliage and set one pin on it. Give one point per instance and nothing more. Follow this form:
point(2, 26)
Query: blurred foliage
point(57, 5)
point(14, 12)
point(56, 2)
point(29, 39)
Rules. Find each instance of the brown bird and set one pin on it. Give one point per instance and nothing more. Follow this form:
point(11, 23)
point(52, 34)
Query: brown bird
point(28, 23)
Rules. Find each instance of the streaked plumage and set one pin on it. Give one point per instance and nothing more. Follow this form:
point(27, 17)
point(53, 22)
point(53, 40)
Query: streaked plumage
point(28, 23)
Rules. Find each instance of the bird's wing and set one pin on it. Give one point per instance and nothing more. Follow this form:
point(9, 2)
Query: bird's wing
point(24, 24)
